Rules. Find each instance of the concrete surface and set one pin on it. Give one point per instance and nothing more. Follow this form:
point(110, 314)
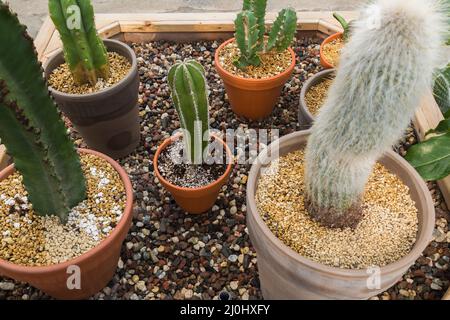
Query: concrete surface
point(33, 12)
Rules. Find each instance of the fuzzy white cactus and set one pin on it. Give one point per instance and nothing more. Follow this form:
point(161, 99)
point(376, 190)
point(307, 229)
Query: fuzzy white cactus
point(385, 69)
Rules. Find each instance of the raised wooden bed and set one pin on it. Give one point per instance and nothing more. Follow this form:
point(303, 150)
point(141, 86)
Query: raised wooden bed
point(183, 27)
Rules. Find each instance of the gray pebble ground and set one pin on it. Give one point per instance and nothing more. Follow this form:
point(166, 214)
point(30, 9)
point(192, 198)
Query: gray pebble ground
point(171, 255)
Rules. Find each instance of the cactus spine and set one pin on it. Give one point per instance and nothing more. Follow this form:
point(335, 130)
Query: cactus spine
point(190, 96)
point(84, 51)
point(250, 30)
point(31, 127)
point(384, 72)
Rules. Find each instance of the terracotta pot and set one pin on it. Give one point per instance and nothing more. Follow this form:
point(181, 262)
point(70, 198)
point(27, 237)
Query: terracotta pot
point(253, 99)
point(194, 200)
point(323, 60)
point(97, 266)
point(305, 118)
point(108, 120)
point(285, 274)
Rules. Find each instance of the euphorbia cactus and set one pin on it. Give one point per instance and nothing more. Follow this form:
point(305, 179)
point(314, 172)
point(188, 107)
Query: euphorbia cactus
point(31, 127)
point(386, 68)
point(84, 51)
point(190, 96)
point(250, 31)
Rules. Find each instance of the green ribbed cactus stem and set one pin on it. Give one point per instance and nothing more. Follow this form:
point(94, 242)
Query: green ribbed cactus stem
point(190, 96)
point(258, 8)
point(31, 127)
point(385, 69)
point(84, 51)
point(345, 25)
point(247, 39)
point(283, 30)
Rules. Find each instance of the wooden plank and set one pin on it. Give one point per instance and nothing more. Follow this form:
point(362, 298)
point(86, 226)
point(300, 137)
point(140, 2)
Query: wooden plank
point(44, 36)
point(427, 117)
point(446, 295)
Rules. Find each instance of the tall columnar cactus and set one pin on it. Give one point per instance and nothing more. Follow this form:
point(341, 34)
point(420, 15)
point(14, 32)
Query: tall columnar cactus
point(386, 68)
point(250, 31)
point(84, 51)
point(190, 96)
point(31, 127)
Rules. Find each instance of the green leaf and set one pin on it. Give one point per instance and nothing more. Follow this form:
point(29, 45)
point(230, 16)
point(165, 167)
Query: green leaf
point(431, 158)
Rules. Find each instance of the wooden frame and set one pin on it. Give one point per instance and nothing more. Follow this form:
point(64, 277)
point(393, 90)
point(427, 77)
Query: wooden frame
point(184, 27)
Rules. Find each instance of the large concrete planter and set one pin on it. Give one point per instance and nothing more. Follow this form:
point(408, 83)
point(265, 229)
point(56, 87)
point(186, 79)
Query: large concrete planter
point(285, 274)
point(108, 120)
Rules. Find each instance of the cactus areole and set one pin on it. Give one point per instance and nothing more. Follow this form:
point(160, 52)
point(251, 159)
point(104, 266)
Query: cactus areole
point(385, 69)
point(250, 30)
point(84, 51)
point(31, 127)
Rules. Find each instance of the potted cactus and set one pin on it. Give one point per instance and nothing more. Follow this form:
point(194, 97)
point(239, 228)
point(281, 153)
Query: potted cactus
point(180, 165)
point(330, 48)
point(338, 214)
point(95, 82)
point(50, 223)
point(255, 67)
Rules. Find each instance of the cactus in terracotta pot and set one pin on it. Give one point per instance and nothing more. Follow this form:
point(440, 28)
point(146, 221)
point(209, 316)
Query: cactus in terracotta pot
point(190, 96)
point(84, 51)
point(250, 31)
point(31, 127)
point(386, 68)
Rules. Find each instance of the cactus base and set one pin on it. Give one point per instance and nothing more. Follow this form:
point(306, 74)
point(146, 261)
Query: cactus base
point(335, 218)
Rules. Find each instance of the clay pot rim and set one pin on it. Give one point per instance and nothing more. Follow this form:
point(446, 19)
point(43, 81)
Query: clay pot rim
point(103, 245)
point(285, 73)
point(122, 83)
point(423, 237)
point(324, 74)
point(328, 39)
point(170, 140)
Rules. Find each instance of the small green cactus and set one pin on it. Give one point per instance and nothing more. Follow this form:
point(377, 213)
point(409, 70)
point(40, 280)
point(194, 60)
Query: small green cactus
point(84, 51)
point(345, 25)
point(190, 96)
point(31, 127)
point(250, 31)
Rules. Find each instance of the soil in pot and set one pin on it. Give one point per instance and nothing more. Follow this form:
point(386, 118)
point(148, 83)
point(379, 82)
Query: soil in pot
point(386, 233)
point(272, 63)
point(61, 78)
point(32, 240)
point(316, 95)
point(178, 172)
point(332, 51)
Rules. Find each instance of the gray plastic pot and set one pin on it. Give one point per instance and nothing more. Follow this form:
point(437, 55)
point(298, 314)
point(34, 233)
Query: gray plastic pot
point(108, 120)
point(284, 274)
point(305, 118)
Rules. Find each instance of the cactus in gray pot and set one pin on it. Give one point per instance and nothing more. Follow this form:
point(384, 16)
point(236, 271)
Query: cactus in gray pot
point(31, 127)
point(250, 30)
point(386, 68)
point(190, 95)
point(84, 51)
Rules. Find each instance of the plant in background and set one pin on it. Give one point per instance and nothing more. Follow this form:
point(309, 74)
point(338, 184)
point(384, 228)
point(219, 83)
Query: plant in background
point(31, 127)
point(345, 25)
point(84, 51)
point(250, 30)
point(190, 96)
point(383, 74)
point(431, 158)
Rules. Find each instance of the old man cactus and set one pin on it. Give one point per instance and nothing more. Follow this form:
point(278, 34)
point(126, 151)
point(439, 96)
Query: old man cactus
point(386, 68)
